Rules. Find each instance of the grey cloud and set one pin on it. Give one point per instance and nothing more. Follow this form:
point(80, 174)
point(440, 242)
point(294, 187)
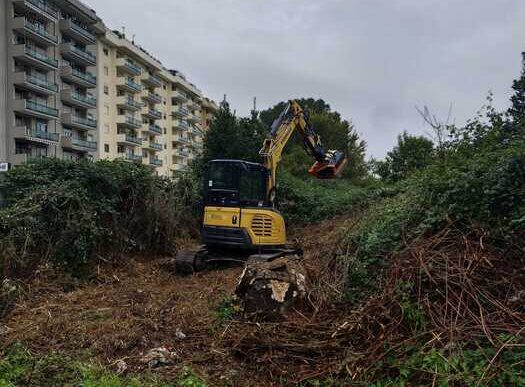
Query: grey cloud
point(372, 60)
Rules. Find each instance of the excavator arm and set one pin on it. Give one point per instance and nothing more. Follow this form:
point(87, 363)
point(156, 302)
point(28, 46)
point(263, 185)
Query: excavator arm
point(328, 164)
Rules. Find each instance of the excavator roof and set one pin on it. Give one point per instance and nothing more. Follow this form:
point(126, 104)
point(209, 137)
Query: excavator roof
point(238, 162)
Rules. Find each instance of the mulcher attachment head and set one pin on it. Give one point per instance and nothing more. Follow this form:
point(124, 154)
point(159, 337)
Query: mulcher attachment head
point(331, 167)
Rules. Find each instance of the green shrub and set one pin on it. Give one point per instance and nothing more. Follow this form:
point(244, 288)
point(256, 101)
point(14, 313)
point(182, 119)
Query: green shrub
point(71, 213)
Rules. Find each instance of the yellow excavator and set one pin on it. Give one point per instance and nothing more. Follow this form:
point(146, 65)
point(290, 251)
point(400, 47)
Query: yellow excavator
point(240, 218)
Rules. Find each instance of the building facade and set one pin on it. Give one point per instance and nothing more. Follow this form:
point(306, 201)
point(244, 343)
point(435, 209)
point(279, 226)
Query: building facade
point(71, 88)
point(48, 106)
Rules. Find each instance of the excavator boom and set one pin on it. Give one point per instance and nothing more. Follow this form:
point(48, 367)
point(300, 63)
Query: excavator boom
point(328, 164)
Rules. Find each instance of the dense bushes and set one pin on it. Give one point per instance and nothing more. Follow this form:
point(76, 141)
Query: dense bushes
point(71, 212)
point(310, 200)
point(412, 261)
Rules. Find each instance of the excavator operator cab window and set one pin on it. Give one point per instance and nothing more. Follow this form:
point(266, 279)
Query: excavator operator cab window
point(235, 184)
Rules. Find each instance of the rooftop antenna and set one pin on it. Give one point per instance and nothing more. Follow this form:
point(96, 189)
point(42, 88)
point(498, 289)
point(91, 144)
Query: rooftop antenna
point(124, 31)
point(133, 39)
point(254, 104)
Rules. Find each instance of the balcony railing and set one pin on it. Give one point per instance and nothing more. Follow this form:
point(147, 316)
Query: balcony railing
point(131, 102)
point(132, 66)
point(133, 157)
point(133, 85)
point(153, 96)
point(156, 129)
point(156, 146)
point(42, 134)
point(40, 108)
point(37, 55)
point(155, 113)
point(84, 121)
point(84, 143)
point(38, 29)
point(82, 31)
point(84, 54)
point(44, 83)
point(133, 121)
point(181, 111)
point(88, 99)
point(133, 139)
point(88, 77)
point(43, 6)
point(155, 162)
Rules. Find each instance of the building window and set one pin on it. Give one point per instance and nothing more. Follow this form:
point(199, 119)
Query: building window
point(120, 149)
point(106, 89)
point(106, 51)
point(106, 70)
point(165, 131)
point(106, 148)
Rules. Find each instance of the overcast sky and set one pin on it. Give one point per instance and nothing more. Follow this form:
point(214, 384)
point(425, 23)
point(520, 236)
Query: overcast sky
point(371, 60)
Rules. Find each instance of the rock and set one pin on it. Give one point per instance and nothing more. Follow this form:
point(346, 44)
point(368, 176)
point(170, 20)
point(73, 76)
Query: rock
point(121, 367)
point(267, 290)
point(180, 334)
point(160, 356)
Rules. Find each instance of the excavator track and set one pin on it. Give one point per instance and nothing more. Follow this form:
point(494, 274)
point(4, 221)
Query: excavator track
point(188, 262)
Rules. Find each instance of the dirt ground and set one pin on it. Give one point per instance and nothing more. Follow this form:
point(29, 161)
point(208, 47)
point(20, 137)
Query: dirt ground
point(131, 308)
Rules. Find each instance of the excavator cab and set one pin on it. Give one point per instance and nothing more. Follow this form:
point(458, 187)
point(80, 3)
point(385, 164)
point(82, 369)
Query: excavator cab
point(235, 183)
point(237, 210)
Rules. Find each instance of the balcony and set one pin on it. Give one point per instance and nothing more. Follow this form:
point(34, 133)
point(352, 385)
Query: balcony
point(132, 158)
point(128, 121)
point(77, 55)
point(78, 77)
point(70, 28)
point(179, 111)
point(193, 118)
point(151, 113)
point(152, 97)
point(182, 152)
point(179, 96)
point(129, 140)
point(129, 85)
point(71, 97)
point(34, 135)
point(152, 81)
point(153, 129)
point(82, 123)
point(180, 125)
point(78, 144)
point(126, 102)
point(193, 105)
point(30, 56)
point(35, 109)
point(155, 162)
point(36, 84)
point(152, 146)
point(127, 66)
point(35, 31)
point(180, 140)
point(37, 6)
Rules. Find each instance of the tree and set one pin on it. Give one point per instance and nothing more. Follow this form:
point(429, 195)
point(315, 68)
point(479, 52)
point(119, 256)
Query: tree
point(411, 153)
point(232, 138)
point(517, 110)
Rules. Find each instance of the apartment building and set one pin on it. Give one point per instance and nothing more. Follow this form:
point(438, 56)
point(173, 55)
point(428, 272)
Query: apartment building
point(147, 113)
point(72, 88)
point(47, 80)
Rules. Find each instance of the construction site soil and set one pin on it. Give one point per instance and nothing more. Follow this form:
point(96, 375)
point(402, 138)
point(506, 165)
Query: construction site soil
point(129, 308)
